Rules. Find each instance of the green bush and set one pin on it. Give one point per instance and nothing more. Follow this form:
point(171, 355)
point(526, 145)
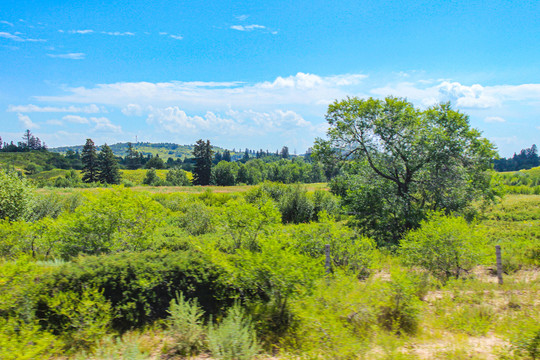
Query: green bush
point(140, 286)
point(295, 206)
point(234, 338)
point(446, 246)
point(16, 197)
point(112, 220)
point(197, 219)
point(20, 340)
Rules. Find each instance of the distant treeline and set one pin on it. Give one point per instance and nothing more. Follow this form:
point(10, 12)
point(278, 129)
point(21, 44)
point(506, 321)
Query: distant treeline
point(526, 159)
point(30, 142)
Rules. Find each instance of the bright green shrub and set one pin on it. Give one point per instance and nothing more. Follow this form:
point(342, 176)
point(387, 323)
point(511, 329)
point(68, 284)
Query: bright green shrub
point(348, 250)
point(16, 196)
point(446, 246)
point(197, 219)
point(112, 220)
point(177, 177)
point(80, 318)
point(140, 286)
point(20, 340)
point(244, 222)
point(234, 338)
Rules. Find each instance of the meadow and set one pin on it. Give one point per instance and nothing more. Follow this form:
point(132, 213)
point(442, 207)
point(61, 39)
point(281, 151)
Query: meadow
point(239, 272)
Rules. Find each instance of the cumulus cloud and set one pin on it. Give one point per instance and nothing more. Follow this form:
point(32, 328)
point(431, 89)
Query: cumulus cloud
point(300, 89)
point(172, 119)
point(494, 119)
point(103, 124)
point(75, 119)
point(71, 56)
point(16, 37)
point(132, 110)
point(463, 96)
point(30, 108)
point(27, 122)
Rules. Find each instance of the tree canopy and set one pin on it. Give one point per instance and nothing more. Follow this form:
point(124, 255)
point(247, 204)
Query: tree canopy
point(404, 162)
point(203, 162)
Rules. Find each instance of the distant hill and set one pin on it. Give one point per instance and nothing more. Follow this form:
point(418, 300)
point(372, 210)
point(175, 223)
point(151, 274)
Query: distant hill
point(164, 150)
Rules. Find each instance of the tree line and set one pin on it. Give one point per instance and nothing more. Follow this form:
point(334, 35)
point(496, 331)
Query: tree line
point(526, 159)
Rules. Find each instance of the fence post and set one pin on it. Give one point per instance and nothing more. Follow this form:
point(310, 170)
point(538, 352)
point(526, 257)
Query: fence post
point(499, 264)
point(328, 262)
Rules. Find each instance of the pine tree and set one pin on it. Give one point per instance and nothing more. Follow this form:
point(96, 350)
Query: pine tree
point(132, 158)
point(107, 166)
point(203, 162)
point(89, 160)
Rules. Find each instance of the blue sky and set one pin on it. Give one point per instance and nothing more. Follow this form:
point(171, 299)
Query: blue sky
point(260, 74)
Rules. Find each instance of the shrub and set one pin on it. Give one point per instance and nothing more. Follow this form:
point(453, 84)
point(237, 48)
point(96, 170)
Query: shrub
point(81, 318)
point(112, 220)
point(185, 325)
point(177, 177)
point(295, 206)
point(22, 340)
point(140, 286)
point(197, 219)
point(446, 246)
point(16, 197)
point(234, 338)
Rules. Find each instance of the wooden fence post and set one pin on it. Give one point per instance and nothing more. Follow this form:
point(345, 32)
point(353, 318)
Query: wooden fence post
point(328, 262)
point(499, 264)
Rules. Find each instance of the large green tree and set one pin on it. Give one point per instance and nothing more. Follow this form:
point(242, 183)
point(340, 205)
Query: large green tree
point(89, 161)
point(108, 171)
point(203, 153)
point(404, 162)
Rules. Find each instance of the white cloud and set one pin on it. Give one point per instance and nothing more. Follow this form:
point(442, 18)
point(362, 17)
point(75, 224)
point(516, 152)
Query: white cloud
point(163, 33)
point(104, 125)
point(118, 33)
point(248, 27)
point(132, 110)
point(463, 96)
point(300, 89)
point(30, 108)
point(6, 22)
point(176, 37)
point(241, 17)
point(87, 31)
point(27, 122)
point(16, 37)
point(72, 56)
point(494, 119)
point(75, 119)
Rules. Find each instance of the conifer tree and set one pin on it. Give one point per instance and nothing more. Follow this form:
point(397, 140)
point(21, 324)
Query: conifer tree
point(107, 166)
point(89, 160)
point(202, 172)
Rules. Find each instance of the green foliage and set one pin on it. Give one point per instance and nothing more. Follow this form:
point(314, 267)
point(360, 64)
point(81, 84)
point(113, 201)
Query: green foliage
point(234, 338)
point(110, 348)
point(225, 173)
point(107, 167)
point(185, 325)
point(89, 160)
point(81, 318)
point(295, 206)
point(197, 219)
point(348, 250)
point(140, 286)
point(244, 222)
point(446, 246)
point(178, 177)
point(20, 340)
point(202, 172)
point(410, 161)
point(16, 196)
point(112, 220)
point(151, 178)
